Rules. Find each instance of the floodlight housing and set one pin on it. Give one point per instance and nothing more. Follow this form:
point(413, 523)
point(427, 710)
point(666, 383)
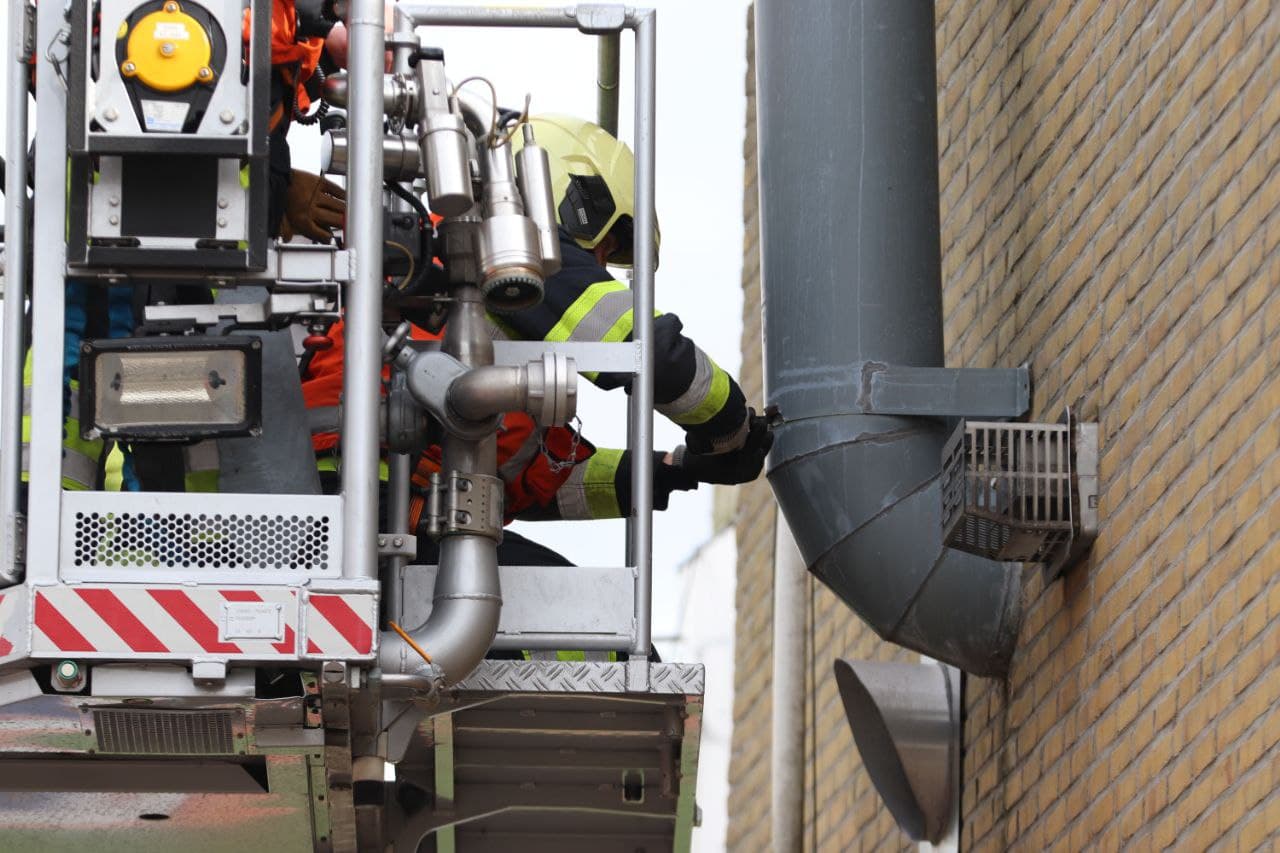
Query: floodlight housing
point(170, 388)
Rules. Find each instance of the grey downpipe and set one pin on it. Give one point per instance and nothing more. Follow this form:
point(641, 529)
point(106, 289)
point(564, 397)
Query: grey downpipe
point(363, 331)
point(467, 600)
point(847, 101)
point(15, 283)
point(786, 756)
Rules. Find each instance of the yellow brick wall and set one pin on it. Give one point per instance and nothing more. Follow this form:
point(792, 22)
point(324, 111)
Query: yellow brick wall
point(1110, 178)
point(1111, 215)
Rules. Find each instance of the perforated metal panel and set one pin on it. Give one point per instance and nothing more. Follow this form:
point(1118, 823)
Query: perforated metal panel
point(129, 732)
point(272, 539)
point(201, 541)
point(1007, 490)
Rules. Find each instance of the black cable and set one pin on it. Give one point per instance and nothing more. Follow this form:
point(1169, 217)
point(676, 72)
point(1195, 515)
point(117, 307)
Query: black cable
point(400, 192)
point(302, 118)
point(424, 234)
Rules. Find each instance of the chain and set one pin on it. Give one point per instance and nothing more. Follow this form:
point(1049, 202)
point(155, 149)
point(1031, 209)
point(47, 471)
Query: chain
point(558, 465)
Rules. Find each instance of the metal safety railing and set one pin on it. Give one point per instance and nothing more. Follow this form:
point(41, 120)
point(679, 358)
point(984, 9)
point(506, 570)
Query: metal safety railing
point(607, 22)
point(47, 506)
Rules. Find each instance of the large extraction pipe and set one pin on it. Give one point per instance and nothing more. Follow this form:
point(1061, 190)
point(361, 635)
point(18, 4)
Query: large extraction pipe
point(850, 261)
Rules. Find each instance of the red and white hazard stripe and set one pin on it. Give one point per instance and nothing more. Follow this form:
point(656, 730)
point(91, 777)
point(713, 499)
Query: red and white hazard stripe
point(131, 621)
point(163, 621)
point(9, 606)
point(341, 626)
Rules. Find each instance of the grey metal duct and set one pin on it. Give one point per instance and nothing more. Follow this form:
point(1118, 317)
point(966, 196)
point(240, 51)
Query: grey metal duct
point(850, 261)
point(905, 719)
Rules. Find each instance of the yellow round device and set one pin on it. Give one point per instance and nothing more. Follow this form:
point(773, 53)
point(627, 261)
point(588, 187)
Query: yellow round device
point(169, 50)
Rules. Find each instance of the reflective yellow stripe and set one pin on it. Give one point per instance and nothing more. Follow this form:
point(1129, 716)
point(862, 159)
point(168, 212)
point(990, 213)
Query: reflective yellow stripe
point(712, 403)
point(618, 332)
point(115, 470)
point(570, 320)
point(598, 486)
point(201, 481)
point(571, 656)
point(334, 465)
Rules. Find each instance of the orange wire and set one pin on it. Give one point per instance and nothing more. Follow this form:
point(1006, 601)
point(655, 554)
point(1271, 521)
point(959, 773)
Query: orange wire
point(405, 636)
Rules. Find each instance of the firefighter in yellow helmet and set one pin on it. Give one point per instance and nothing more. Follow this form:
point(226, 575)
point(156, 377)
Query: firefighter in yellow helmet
point(594, 193)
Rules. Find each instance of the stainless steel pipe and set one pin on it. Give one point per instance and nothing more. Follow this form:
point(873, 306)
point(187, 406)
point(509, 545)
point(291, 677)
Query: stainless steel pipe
point(566, 17)
point(401, 159)
point(13, 349)
point(363, 331)
point(641, 425)
point(468, 598)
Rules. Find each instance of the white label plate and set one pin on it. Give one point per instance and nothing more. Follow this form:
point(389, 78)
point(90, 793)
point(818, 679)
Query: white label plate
point(171, 31)
point(251, 620)
point(164, 116)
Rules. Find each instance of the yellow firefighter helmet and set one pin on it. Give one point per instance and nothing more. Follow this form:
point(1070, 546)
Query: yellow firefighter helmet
point(592, 182)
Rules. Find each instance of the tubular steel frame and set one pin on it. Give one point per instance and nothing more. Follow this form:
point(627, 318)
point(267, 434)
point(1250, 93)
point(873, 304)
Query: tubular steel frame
point(597, 20)
point(359, 493)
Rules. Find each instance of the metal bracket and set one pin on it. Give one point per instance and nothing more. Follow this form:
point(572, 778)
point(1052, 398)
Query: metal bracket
point(28, 32)
point(429, 376)
point(965, 392)
point(288, 265)
point(468, 504)
point(397, 545)
point(313, 303)
point(335, 693)
point(19, 541)
point(598, 19)
point(1084, 437)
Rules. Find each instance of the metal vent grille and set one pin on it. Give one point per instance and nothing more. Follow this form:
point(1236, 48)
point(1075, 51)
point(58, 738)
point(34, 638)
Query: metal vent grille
point(1007, 490)
point(165, 732)
point(201, 541)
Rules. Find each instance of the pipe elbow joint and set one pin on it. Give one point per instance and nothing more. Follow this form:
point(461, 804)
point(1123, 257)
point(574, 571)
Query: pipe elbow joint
point(546, 389)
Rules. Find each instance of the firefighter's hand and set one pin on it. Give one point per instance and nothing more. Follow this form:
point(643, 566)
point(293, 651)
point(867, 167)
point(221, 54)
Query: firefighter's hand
point(741, 465)
point(313, 207)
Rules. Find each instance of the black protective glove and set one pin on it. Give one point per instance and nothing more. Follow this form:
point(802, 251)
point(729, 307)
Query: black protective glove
point(732, 467)
point(666, 479)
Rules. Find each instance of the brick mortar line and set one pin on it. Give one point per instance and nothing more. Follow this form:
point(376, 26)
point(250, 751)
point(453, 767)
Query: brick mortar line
point(1174, 479)
point(1187, 203)
point(1013, 731)
point(1206, 688)
point(1209, 771)
point(946, 76)
point(1258, 767)
point(1133, 116)
point(1108, 634)
point(1022, 110)
point(1132, 228)
point(1180, 367)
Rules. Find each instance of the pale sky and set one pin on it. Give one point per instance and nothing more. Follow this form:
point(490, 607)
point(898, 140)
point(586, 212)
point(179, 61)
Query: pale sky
point(701, 110)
